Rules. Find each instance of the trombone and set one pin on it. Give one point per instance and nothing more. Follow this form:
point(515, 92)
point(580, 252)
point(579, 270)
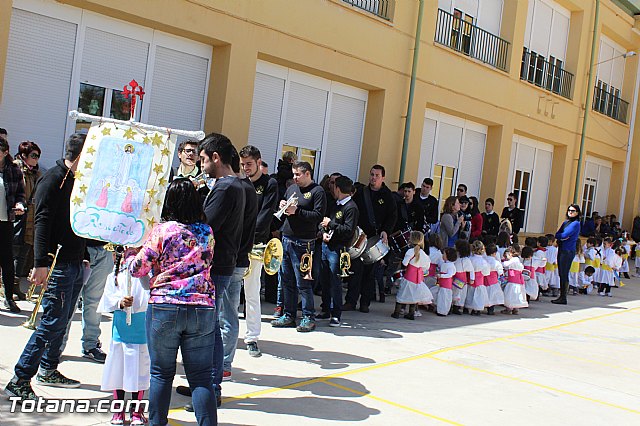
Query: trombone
point(31, 322)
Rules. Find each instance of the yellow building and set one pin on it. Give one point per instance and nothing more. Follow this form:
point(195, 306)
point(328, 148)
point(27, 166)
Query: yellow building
point(498, 105)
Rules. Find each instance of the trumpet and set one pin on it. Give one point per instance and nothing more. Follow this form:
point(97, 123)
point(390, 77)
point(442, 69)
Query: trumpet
point(292, 201)
point(31, 322)
point(306, 264)
point(345, 265)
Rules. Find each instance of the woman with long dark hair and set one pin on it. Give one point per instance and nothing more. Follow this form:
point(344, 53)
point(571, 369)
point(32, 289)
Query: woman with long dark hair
point(476, 219)
point(567, 236)
point(182, 310)
point(450, 222)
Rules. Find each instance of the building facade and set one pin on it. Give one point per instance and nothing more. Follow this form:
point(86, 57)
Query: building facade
point(499, 98)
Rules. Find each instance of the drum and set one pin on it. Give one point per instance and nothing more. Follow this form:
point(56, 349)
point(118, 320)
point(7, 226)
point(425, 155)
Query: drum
point(375, 251)
point(399, 241)
point(397, 274)
point(358, 244)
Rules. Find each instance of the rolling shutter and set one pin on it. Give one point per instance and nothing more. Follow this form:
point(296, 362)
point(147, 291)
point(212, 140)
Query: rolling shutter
point(470, 172)
point(539, 191)
point(559, 36)
point(426, 149)
point(268, 94)
point(525, 158)
point(305, 116)
point(37, 82)
point(602, 189)
point(448, 146)
point(541, 29)
point(345, 134)
point(490, 16)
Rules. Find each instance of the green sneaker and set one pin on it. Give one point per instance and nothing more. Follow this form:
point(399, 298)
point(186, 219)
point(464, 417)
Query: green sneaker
point(306, 325)
point(56, 379)
point(284, 321)
point(21, 390)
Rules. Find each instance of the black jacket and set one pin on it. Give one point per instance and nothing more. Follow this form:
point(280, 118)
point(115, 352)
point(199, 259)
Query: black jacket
point(344, 219)
point(410, 215)
point(13, 186)
point(312, 205)
point(429, 208)
point(384, 210)
point(248, 223)
point(490, 223)
point(267, 195)
point(515, 216)
point(52, 223)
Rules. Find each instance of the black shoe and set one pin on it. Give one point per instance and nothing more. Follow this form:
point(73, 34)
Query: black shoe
point(410, 316)
point(465, 311)
point(18, 294)
point(381, 299)
point(559, 301)
point(188, 407)
point(491, 310)
point(56, 379)
point(364, 309)
point(11, 306)
point(395, 315)
point(323, 315)
point(456, 310)
point(95, 354)
point(184, 391)
point(20, 389)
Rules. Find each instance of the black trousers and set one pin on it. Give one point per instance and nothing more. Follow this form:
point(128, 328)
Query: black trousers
point(6, 257)
point(361, 284)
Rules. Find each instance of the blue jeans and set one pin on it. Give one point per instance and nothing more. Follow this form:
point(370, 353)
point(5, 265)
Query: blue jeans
point(292, 281)
point(229, 323)
point(331, 281)
point(101, 267)
point(192, 330)
point(221, 282)
point(59, 303)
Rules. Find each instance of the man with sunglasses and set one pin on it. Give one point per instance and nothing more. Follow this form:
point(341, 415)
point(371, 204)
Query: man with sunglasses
point(513, 214)
point(461, 191)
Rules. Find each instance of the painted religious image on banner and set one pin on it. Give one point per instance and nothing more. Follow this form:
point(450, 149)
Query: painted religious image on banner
point(120, 183)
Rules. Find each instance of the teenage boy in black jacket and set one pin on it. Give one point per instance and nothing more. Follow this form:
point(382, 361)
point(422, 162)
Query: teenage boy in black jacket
point(337, 232)
point(52, 227)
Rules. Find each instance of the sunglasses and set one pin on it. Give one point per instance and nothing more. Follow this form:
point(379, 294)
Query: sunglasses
point(572, 211)
point(510, 199)
point(34, 155)
point(460, 190)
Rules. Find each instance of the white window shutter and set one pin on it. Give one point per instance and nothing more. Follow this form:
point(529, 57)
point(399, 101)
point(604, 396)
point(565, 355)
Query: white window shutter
point(469, 7)
point(602, 189)
point(490, 16)
point(512, 166)
point(529, 26)
point(305, 116)
point(604, 58)
point(539, 191)
point(617, 71)
point(268, 94)
point(472, 161)
point(342, 153)
point(591, 170)
point(541, 29)
point(445, 5)
point(127, 59)
point(426, 149)
point(559, 36)
point(37, 82)
point(526, 157)
point(448, 145)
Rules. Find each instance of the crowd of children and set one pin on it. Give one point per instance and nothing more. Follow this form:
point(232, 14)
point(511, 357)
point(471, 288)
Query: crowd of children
point(473, 276)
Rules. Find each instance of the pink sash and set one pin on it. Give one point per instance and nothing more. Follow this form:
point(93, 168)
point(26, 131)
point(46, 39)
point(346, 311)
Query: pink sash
point(532, 271)
point(491, 279)
point(541, 269)
point(413, 274)
point(445, 282)
point(432, 270)
point(515, 277)
point(479, 280)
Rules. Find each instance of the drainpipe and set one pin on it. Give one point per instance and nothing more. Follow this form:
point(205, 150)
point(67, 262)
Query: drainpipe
point(632, 127)
point(412, 87)
point(587, 101)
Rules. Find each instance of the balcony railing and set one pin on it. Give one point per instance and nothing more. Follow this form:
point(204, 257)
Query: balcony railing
point(548, 74)
point(464, 37)
point(380, 8)
point(609, 103)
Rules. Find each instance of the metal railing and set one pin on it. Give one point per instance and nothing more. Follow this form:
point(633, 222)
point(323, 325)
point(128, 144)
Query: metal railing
point(549, 75)
point(380, 8)
point(464, 37)
point(609, 103)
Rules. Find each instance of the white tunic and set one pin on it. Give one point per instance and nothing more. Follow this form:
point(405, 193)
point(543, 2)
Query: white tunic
point(495, 295)
point(410, 292)
point(477, 296)
point(444, 295)
point(514, 294)
point(462, 264)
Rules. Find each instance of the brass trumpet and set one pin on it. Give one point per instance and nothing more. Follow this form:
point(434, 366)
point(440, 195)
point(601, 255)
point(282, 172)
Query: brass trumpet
point(345, 265)
point(31, 322)
point(292, 201)
point(306, 264)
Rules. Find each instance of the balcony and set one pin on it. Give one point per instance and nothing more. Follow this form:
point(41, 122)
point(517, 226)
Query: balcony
point(609, 103)
point(381, 8)
point(464, 37)
point(548, 74)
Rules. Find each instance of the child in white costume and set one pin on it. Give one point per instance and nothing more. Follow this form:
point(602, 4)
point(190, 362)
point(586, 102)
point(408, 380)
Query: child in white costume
point(464, 276)
point(611, 262)
point(435, 256)
point(637, 259)
point(445, 281)
point(539, 262)
point(413, 290)
point(577, 266)
point(495, 296)
point(551, 273)
point(477, 293)
point(530, 281)
point(127, 367)
point(514, 292)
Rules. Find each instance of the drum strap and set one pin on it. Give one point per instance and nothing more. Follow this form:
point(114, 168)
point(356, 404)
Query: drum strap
point(369, 205)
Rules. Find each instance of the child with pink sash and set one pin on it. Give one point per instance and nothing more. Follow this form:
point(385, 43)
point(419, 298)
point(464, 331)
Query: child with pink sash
point(514, 292)
point(445, 281)
point(530, 282)
point(413, 290)
point(477, 292)
point(540, 263)
point(464, 275)
point(495, 296)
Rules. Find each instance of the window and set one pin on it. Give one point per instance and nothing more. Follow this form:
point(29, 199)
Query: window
point(96, 100)
point(588, 196)
point(521, 188)
point(303, 154)
point(461, 31)
point(444, 178)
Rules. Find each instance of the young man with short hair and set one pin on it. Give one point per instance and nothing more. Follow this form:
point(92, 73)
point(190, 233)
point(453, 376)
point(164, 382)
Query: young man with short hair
point(490, 219)
point(513, 213)
point(429, 204)
point(188, 156)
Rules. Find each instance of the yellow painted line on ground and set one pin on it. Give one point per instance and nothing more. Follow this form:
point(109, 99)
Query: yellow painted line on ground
point(623, 324)
point(431, 354)
point(604, 339)
point(540, 385)
point(394, 404)
point(573, 357)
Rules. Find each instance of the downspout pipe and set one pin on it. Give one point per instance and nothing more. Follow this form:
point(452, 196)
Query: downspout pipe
point(587, 102)
point(632, 127)
point(412, 88)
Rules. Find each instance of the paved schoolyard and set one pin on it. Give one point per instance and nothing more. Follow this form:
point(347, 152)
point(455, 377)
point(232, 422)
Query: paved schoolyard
point(551, 365)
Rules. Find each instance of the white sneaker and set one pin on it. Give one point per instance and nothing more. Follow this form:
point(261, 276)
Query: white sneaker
point(417, 313)
point(609, 295)
point(601, 293)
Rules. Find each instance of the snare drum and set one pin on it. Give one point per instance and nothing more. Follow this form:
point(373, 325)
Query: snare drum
point(375, 251)
point(358, 244)
point(399, 241)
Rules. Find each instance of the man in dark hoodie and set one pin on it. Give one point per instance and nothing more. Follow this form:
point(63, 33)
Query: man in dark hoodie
point(41, 355)
point(285, 172)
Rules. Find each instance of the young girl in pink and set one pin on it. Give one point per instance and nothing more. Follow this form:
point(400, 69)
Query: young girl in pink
point(477, 293)
point(445, 281)
point(495, 296)
point(530, 281)
point(462, 278)
point(412, 289)
point(514, 292)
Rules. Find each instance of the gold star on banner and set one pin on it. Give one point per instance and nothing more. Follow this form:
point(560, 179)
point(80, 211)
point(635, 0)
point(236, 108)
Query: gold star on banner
point(91, 149)
point(162, 182)
point(146, 209)
point(152, 192)
point(88, 164)
point(93, 137)
point(77, 175)
point(77, 200)
point(151, 221)
point(129, 134)
point(106, 131)
point(156, 140)
point(158, 203)
point(158, 168)
point(83, 188)
point(146, 140)
point(165, 152)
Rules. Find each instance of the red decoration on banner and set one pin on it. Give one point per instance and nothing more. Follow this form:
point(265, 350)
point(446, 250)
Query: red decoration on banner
point(132, 90)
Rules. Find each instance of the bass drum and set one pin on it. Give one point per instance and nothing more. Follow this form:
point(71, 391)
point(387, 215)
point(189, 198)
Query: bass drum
point(358, 244)
point(375, 251)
